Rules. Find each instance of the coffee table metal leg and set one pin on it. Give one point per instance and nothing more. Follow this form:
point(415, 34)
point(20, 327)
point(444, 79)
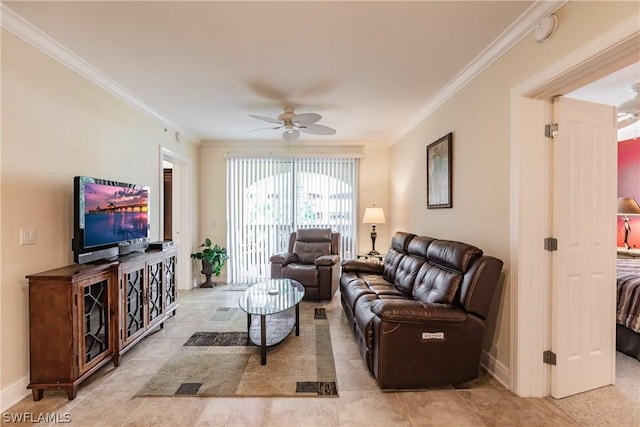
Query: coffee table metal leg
point(297, 320)
point(248, 324)
point(263, 339)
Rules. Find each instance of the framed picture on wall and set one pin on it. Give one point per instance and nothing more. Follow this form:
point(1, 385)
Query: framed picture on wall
point(439, 165)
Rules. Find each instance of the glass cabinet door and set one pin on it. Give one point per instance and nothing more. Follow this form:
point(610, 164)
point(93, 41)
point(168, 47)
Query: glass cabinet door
point(133, 284)
point(155, 295)
point(95, 342)
point(170, 280)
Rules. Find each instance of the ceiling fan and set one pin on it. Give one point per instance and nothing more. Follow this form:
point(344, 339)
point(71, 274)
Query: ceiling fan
point(293, 124)
point(629, 111)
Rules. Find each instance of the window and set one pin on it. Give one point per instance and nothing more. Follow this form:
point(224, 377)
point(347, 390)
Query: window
point(269, 198)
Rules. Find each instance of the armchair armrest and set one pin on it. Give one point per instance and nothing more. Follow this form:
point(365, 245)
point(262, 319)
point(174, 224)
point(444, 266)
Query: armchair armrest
point(327, 260)
point(416, 312)
point(362, 266)
point(283, 258)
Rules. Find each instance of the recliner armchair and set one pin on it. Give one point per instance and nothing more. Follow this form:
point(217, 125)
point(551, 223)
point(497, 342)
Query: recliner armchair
point(313, 260)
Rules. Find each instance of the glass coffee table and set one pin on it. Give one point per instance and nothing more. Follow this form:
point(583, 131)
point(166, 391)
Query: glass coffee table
point(273, 298)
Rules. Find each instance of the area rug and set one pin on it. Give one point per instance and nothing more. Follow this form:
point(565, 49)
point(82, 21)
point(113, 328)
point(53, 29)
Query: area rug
point(226, 363)
point(606, 406)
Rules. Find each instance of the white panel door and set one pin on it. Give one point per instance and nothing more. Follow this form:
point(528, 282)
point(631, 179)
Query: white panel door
point(584, 222)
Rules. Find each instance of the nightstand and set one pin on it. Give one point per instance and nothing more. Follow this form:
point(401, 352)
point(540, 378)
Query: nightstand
point(628, 253)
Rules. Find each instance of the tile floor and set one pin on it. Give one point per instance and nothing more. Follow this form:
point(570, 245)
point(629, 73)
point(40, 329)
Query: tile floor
point(107, 398)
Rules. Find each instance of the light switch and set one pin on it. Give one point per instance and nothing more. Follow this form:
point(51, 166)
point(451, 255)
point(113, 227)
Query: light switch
point(28, 236)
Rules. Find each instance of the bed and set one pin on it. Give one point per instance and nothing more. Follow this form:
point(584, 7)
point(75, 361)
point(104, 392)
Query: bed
point(628, 307)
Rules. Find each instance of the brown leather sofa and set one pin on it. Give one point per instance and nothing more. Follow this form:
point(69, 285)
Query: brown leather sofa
point(419, 316)
point(313, 260)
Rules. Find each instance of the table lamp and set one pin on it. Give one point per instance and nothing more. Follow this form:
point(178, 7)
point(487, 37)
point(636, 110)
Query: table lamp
point(373, 216)
point(627, 206)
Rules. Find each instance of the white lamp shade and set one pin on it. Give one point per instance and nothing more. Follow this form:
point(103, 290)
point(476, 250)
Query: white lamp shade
point(626, 206)
point(373, 216)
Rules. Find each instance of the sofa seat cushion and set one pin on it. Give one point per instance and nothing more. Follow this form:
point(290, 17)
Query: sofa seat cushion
point(306, 274)
point(356, 289)
point(381, 287)
point(364, 316)
point(346, 278)
point(416, 312)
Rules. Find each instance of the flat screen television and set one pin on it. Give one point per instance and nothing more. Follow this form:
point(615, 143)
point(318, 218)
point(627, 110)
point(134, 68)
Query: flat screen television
point(110, 219)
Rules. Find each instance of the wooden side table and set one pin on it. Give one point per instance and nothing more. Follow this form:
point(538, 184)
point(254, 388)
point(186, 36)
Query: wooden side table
point(379, 257)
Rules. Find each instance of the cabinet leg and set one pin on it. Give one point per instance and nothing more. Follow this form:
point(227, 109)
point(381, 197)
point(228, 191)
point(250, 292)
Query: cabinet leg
point(71, 392)
point(116, 360)
point(37, 393)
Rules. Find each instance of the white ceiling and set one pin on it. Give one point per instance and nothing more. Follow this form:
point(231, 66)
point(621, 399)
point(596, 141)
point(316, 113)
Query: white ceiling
point(613, 89)
point(371, 69)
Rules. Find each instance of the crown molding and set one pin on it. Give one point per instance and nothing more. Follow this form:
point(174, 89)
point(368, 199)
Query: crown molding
point(29, 33)
point(501, 45)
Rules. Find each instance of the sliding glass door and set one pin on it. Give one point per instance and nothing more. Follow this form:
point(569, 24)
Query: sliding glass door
point(268, 198)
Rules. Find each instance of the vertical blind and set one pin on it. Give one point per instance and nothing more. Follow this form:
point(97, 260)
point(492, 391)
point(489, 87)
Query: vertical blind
point(268, 198)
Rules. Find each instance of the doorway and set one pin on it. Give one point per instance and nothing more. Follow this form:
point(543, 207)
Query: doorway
point(176, 206)
point(531, 299)
point(167, 204)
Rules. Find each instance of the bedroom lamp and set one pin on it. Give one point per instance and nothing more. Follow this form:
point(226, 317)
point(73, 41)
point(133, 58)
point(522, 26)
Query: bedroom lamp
point(627, 206)
point(373, 216)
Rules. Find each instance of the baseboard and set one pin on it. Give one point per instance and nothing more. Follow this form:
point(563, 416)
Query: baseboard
point(13, 394)
point(496, 368)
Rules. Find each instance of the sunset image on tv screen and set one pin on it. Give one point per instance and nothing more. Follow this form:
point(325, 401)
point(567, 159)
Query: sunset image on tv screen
point(114, 213)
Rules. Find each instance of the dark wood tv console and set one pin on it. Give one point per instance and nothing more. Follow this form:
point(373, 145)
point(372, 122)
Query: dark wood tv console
point(83, 316)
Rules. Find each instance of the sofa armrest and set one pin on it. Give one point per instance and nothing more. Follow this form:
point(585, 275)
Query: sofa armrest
point(362, 266)
point(327, 260)
point(283, 258)
point(416, 312)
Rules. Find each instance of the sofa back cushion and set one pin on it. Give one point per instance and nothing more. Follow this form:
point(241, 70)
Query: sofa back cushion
point(439, 279)
point(435, 284)
point(407, 272)
point(456, 256)
point(397, 251)
point(411, 263)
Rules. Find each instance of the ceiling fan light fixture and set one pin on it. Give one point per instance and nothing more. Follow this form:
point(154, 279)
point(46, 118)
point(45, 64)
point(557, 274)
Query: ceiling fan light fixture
point(631, 106)
point(294, 123)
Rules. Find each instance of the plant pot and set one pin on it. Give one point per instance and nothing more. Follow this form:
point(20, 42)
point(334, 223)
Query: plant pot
point(207, 270)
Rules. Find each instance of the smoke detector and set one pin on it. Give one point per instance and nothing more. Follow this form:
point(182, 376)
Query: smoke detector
point(546, 28)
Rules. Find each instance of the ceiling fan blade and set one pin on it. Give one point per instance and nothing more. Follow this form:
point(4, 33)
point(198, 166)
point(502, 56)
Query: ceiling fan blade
point(268, 127)
point(628, 121)
point(318, 130)
point(291, 135)
point(266, 119)
point(305, 119)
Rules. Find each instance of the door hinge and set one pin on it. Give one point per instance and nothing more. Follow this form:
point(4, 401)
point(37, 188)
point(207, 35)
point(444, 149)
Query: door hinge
point(550, 244)
point(551, 130)
point(549, 357)
point(120, 333)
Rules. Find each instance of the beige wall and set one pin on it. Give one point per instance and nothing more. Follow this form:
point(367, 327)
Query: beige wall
point(373, 184)
point(479, 117)
point(55, 125)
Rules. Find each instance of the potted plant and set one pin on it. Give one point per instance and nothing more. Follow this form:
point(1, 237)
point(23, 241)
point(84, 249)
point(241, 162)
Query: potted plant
point(213, 259)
